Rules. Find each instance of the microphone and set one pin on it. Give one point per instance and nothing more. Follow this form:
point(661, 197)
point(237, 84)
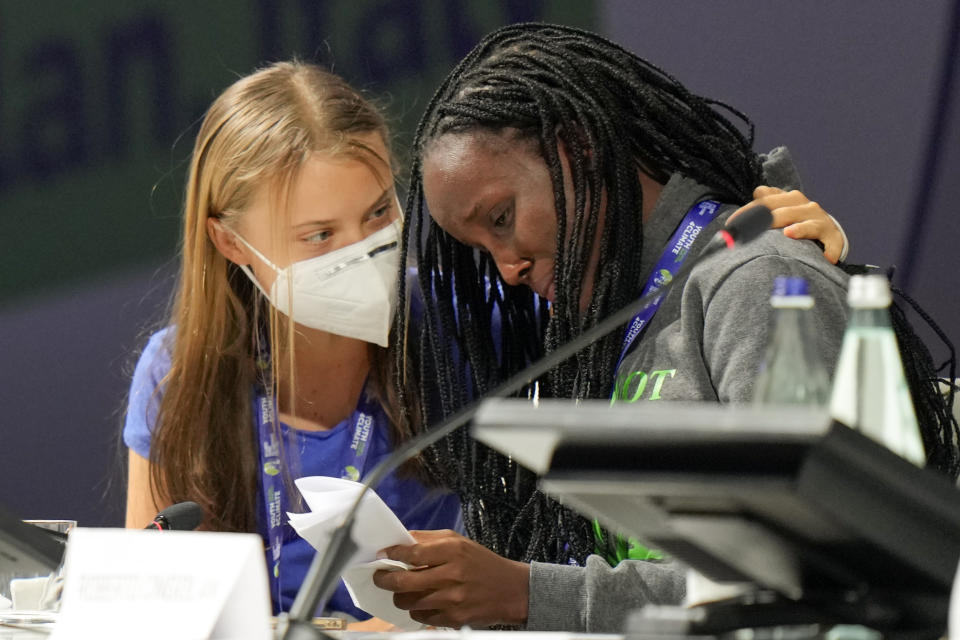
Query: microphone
point(321, 578)
point(183, 516)
point(747, 226)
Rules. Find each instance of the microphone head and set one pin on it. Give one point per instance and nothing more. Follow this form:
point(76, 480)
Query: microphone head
point(750, 224)
point(183, 516)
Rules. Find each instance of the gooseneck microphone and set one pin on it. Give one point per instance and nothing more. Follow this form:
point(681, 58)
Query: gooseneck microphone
point(183, 516)
point(321, 578)
point(745, 227)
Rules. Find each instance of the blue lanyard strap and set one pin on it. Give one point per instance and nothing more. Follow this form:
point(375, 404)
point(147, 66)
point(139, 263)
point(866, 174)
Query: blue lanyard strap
point(271, 485)
point(264, 411)
point(363, 419)
point(674, 254)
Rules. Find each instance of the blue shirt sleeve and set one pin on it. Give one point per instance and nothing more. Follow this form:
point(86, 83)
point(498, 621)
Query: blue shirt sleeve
point(146, 393)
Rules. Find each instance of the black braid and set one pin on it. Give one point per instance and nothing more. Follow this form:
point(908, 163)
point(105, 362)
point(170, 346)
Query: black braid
point(938, 426)
point(939, 430)
point(615, 114)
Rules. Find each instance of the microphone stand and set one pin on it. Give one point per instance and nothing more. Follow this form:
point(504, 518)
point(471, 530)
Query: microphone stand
point(320, 580)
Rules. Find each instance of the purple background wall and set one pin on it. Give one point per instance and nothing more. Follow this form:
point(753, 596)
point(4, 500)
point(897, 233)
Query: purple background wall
point(850, 91)
point(68, 358)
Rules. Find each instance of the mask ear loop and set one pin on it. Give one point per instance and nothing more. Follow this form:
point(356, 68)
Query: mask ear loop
point(246, 268)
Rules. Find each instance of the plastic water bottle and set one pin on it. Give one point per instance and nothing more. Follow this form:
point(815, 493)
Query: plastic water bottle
point(792, 370)
point(870, 392)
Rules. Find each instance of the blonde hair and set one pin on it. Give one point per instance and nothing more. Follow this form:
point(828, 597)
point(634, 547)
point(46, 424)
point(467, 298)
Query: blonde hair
point(259, 131)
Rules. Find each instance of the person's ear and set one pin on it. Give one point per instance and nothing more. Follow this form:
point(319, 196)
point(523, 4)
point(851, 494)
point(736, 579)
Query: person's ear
point(226, 242)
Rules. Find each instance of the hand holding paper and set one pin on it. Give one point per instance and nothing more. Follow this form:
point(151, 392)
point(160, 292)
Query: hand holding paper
point(375, 527)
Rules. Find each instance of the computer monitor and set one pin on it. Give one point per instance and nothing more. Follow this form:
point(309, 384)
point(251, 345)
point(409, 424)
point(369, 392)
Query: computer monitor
point(803, 507)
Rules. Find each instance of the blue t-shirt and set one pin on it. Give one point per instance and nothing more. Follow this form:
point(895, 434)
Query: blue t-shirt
point(318, 453)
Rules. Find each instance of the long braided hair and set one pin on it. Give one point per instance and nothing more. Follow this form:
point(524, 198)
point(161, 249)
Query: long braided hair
point(615, 114)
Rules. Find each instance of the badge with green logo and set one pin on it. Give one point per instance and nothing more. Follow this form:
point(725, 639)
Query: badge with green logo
point(271, 468)
point(617, 548)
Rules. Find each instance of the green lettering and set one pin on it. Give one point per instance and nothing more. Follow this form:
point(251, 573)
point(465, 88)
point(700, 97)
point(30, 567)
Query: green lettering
point(655, 395)
point(628, 381)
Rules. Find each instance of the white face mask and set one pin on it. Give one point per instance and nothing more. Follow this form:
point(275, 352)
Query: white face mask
point(351, 292)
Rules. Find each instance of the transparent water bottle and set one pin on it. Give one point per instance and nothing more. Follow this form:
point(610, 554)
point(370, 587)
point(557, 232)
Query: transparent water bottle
point(870, 392)
point(792, 371)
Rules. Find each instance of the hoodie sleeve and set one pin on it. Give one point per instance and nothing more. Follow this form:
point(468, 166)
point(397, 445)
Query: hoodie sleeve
point(596, 598)
point(779, 170)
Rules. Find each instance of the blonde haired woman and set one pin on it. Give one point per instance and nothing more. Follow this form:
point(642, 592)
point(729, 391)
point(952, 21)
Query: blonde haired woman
point(290, 214)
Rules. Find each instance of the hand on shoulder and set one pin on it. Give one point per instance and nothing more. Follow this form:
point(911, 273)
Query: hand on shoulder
point(800, 218)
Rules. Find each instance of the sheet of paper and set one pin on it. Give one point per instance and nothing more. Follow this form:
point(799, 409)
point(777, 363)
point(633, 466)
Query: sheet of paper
point(359, 581)
point(123, 583)
point(375, 527)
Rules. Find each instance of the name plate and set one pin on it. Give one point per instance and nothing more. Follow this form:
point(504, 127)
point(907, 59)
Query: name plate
point(125, 583)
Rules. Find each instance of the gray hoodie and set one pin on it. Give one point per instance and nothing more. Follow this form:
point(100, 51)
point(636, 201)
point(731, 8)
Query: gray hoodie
point(706, 342)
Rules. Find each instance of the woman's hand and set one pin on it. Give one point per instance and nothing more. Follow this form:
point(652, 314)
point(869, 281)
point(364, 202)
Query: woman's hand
point(456, 582)
point(801, 219)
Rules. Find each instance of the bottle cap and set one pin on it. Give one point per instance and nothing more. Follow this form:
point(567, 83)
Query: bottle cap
point(790, 286)
point(869, 292)
point(791, 292)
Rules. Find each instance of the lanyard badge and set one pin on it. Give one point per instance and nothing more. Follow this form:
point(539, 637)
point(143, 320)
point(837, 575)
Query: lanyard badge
point(271, 485)
point(364, 420)
point(674, 254)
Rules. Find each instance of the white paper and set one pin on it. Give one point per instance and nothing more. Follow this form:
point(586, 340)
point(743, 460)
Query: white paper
point(703, 590)
point(359, 581)
point(124, 583)
point(27, 593)
point(374, 528)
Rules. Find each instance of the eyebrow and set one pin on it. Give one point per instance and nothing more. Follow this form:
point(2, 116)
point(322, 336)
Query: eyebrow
point(476, 211)
point(384, 196)
point(470, 216)
point(473, 214)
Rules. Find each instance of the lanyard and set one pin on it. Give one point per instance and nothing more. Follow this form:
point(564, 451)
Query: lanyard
point(272, 486)
point(674, 254)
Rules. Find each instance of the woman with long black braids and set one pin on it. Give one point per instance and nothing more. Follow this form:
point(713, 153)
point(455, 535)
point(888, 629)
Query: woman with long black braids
point(556, 166)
